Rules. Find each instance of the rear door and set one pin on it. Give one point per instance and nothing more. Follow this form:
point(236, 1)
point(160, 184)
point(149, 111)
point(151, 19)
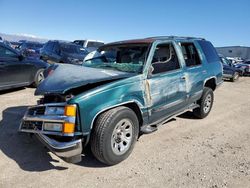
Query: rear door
point(167, 84)
point(194, 71)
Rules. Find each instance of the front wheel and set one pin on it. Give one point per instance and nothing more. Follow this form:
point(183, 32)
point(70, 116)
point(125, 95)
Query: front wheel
point(235, 77)
point(114, 135)
point(206, 103)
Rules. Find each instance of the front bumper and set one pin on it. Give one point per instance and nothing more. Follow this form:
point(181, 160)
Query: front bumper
point(34, 121)
point(62, 149)
point(227, 76)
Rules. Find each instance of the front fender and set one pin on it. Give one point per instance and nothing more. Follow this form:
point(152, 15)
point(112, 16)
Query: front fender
point(91, 106)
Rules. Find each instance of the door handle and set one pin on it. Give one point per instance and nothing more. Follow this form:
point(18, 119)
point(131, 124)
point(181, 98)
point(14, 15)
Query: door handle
point(204, 72)
point(183, 78)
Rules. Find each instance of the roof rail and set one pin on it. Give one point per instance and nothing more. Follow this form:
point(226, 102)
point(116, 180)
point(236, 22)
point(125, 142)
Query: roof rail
point(174, 37)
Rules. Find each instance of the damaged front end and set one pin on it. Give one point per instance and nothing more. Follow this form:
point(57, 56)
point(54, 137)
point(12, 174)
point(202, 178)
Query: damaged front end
point(56, 125)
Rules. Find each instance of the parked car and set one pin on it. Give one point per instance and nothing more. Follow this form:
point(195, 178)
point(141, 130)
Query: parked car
point(130, 89)
point(230, 72)
point(63, 52)
point(90, 45)
point(235, 60)
point(29, 48)
point(244, 66)
point(18, 71)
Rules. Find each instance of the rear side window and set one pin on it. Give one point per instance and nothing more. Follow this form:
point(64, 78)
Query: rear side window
point(4, 52)
point(190, 54)
point(209, 51)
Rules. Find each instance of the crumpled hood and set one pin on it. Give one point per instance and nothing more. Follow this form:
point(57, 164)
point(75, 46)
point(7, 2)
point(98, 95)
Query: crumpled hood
point(66, 77)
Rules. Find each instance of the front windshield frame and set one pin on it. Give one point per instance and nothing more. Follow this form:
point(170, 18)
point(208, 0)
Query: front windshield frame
point(129, 48)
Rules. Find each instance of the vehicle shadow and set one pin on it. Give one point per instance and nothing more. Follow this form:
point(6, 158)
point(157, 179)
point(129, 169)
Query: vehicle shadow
point(11, 90)
point(188, 115)
point(26, 150)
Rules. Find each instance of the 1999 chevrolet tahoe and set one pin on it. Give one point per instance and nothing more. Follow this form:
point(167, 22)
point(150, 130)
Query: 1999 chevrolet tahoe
point(126, 89)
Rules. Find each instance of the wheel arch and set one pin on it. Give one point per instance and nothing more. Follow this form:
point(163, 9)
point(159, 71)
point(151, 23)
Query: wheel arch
point(133, 105)
point(211, 83)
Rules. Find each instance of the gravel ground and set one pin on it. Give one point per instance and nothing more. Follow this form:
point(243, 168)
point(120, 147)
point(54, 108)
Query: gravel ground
point(186, 152)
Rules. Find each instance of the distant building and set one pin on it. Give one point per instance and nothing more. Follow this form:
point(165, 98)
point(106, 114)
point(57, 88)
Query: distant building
point(235, 51)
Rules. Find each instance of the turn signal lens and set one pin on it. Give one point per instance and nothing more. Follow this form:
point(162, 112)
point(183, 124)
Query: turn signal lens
point(68, 127)
point(70, 110)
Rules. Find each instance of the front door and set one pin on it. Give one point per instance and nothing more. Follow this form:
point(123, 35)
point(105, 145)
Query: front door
point(167, 84)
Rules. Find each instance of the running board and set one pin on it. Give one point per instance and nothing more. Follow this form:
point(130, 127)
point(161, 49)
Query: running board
point(147, 129)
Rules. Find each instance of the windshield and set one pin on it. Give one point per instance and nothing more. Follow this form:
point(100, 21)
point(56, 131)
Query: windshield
point(225, 61)
point(125, 57)
point(72, 49)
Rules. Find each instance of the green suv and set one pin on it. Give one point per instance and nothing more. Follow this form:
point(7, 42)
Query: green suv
point(124, 90)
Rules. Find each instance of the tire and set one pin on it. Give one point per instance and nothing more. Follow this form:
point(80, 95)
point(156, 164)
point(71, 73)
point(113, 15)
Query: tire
point(235, 77)
point(39, 77)
point(108, 143)
point(206, 103)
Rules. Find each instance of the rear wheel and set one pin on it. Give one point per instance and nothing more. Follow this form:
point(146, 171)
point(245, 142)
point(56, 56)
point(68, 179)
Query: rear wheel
point(206, 103)
point(39, 77)
point(114, 135)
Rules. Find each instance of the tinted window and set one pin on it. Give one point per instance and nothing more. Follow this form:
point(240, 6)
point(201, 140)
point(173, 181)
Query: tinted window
point(94, 44)
point(79, 42)
point(4, 52)
point(190, 54)
point(209, 51)
point(34, 45)
point(70, 48)
point(164, 59)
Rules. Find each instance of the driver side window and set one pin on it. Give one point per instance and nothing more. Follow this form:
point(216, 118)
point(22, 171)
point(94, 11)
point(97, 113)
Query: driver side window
point(165, 59)
point(4, 52)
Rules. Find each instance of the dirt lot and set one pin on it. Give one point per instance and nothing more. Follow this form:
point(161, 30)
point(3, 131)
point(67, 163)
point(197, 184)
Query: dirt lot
point(186, 152)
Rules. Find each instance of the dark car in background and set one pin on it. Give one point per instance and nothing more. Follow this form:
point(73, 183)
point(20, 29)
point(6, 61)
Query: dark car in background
point(63, 52)
point(17, 70)
point(230, 72)
point(29, 48)
point(244, 66)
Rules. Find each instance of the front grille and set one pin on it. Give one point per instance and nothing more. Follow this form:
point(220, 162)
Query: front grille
point(31, 125)
point(39, 110)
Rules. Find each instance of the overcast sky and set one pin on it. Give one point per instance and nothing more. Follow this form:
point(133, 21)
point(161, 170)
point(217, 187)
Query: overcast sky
point(222, 22)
